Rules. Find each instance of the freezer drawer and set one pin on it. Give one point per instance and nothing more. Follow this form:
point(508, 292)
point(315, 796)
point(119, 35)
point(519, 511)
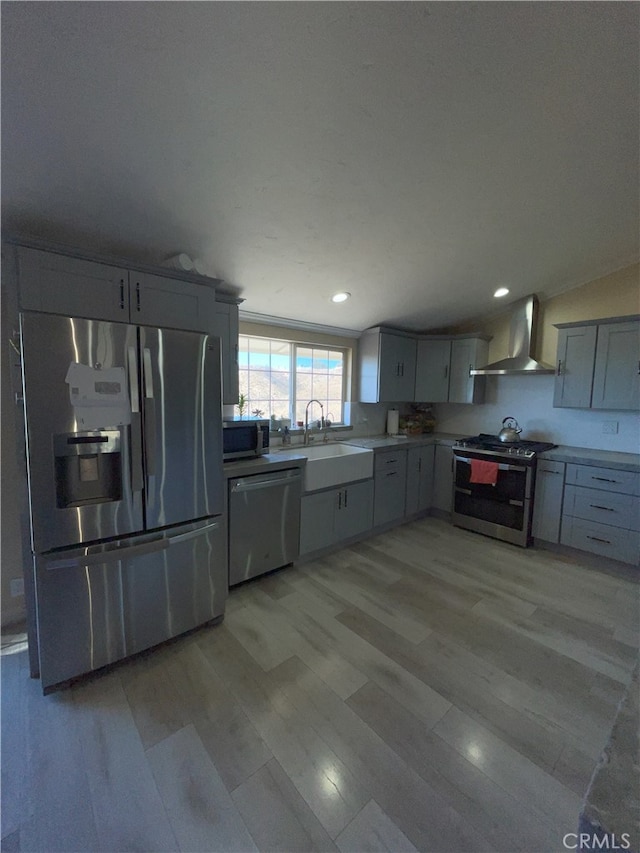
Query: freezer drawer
point(100, 604)
point(264, 523)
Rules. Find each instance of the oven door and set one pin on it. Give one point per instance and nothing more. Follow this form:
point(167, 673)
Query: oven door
point(502, 511)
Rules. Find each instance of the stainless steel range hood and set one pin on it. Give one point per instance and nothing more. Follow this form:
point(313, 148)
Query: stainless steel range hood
point(521, 344)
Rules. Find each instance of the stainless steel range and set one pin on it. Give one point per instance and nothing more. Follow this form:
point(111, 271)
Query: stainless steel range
point(493, 486)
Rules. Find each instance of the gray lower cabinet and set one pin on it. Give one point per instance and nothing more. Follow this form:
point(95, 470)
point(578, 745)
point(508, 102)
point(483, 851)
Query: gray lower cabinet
point(443, 478)
point(547, 507)
point(419, 479)
point(336, 515)
point(601, 512)
point(390, 486)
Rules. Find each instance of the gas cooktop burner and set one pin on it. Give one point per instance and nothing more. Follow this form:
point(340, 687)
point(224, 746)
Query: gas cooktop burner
point(492, 444)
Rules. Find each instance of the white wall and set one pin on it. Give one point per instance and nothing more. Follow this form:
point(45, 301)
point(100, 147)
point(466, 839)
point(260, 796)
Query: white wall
point(529, 400)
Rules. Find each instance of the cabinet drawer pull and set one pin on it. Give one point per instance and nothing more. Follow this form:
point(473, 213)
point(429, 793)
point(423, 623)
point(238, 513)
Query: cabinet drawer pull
point(604, 480)
point(607, 508)
point(392, 473)
point(597, 539)
point(546, 471)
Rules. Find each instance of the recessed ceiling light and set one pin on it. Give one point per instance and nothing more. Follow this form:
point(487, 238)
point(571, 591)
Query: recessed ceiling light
point(341, 296)
point(501, 291)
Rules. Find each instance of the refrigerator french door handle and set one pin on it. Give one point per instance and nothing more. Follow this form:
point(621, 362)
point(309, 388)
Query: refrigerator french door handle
point(148, 373)
point(119, 552)
point(193, 534)
point(132, 363)
point(149, 414)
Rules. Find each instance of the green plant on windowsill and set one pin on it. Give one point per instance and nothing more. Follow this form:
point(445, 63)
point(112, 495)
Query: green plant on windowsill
point(242, 405)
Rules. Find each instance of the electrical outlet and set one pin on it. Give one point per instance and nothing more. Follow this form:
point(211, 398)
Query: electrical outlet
point(17, 587)
point(610, 427)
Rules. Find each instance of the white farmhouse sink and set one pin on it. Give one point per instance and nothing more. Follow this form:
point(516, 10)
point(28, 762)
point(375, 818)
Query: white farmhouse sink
point(333, 464)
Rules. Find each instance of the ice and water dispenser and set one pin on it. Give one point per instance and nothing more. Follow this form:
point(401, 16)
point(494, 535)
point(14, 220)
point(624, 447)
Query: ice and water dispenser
point(88, 467)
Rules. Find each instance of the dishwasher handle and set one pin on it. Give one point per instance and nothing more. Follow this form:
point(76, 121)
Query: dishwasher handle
point(251, 484)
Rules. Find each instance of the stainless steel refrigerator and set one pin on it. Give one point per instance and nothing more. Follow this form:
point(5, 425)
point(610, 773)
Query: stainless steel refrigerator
point(124, 452)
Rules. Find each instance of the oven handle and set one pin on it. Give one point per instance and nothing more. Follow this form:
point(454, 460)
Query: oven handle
point(503, 465)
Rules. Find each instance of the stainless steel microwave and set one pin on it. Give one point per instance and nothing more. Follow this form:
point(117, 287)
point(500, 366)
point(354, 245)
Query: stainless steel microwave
point(244, 439)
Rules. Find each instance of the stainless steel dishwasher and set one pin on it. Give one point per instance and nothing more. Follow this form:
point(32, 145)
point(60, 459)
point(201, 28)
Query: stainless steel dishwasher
point(264, 523)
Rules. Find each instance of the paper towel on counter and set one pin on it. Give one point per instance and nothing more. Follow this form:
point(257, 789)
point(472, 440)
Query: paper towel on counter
point(393, 419)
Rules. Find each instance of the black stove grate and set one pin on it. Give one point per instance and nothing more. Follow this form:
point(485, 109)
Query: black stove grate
point(492, 442)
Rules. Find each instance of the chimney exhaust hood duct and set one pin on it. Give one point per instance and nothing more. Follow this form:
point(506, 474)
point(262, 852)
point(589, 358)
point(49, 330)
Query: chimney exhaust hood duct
point(521, 344)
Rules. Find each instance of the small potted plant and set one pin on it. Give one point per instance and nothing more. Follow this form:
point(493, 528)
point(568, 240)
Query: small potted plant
point(242, 405)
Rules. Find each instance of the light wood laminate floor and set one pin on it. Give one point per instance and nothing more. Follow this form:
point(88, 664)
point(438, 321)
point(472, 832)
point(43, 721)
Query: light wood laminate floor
point(427, 689)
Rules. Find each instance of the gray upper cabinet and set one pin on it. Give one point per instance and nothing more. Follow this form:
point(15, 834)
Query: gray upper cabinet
point(61, 284)
point(226, 328)
point(574, 369)
point(443, 370)
point(466, 354)
point(598, 365)
point(433, 363)
point(616, 378)
point(157, 300)
point(58, 284)
point(387, 366)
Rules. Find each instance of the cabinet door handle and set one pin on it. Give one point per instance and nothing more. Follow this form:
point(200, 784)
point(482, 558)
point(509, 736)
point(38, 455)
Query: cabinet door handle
point(345, 498)
point(340, 499)
point(607, 508)
point(597, 539)
point(559, 371)
point(419, 464)
point(604, 480)
point(392, 473)
point(402, 368)
point(122, 294)
point(137, 296)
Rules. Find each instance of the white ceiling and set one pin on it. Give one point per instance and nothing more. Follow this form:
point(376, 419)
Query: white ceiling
point(416, 154)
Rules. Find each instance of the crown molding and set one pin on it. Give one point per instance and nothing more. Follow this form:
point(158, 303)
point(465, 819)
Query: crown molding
point(300, 325)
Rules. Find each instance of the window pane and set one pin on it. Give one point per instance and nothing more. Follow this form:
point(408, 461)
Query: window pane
point(303, 387)
point(320, 360)
point(304, 360)
point(334, 387)
point(266, 378)
point(320, 387)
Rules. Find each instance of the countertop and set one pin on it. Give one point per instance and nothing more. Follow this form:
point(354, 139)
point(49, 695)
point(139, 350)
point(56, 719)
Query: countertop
point(388, 442)
point(589, 456)
point(270, 462)
point(294, 456)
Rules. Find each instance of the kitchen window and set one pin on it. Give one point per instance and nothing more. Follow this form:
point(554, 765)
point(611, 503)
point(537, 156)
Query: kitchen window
point(280, 377)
